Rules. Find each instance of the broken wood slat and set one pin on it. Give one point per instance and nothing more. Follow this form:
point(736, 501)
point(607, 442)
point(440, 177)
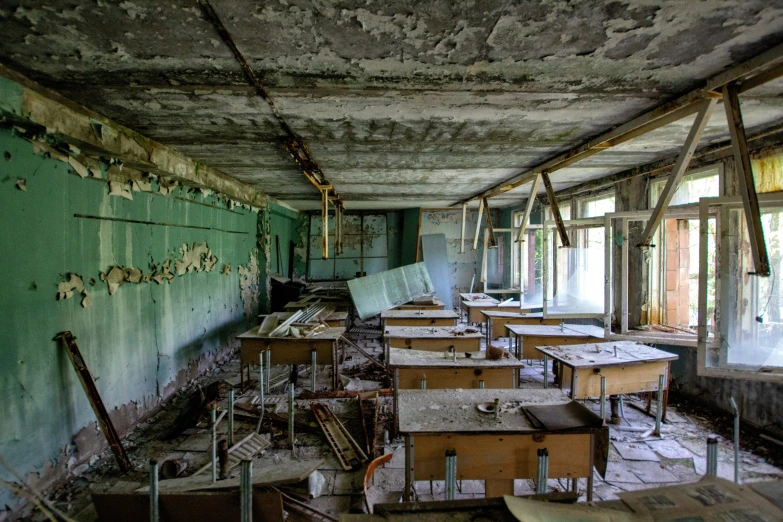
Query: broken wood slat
point(363, 352)
point(345, 447)
point(246, 448)
point(69, 342)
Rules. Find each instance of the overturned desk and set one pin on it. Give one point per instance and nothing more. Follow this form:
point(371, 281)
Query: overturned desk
point(440, 422)
point(627, 367)
point(418, 318)
point(290, 350)
point(432, 339)
point(524, 339)
point(496, 321)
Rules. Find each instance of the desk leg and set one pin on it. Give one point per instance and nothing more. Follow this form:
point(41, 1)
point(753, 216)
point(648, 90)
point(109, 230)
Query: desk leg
point(592, 463)
point(334, 365)
point(489, 327)
point(666, 391)
point(241, 378)
point(546, 372)
point(574, 380)
point(498, 487)
point(395, 410)
point(409, 477)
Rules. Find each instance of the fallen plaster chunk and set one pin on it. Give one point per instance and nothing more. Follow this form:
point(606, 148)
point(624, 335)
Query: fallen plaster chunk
point(66, 288)
point(118, 188)
point(21, 184)
point(80, 169)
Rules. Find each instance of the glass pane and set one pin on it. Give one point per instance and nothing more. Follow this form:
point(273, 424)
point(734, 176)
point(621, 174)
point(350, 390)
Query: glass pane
point(578, 285)
point(754, 331)
point(691, 188)
point(598, 206)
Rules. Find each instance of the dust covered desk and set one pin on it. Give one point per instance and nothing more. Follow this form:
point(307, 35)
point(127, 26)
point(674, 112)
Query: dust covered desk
point(524, 338)
point(499, 450)
point(419, 318)
point(473, 309)
point(291, 350)
point(433, 338)
point(496, 320)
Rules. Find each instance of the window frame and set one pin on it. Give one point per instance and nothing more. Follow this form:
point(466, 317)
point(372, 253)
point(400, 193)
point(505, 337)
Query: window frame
point(719, 207)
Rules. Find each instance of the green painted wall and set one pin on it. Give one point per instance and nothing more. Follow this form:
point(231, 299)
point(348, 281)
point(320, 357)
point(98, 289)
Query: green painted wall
point(410, 235)
point(284, 223)
point(136, 342)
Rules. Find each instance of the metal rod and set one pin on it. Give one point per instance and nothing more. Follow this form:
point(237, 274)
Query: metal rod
point(497, 409)
point(736, 438)
point(154, 492)
point(261, 385)
point(603, 399)
point(246, 491)
point(268, 380)
point(291, 437)
point(481, 384)
point(231, 417)
point(543, 471)
point(451, 473)
point(213, 417)
point(546, 371)
point(712, 457)
point(423, 382)
point(313, 368)
point(659, 412)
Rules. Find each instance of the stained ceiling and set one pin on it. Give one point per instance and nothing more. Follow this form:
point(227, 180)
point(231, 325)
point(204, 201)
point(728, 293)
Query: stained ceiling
point(402, 103)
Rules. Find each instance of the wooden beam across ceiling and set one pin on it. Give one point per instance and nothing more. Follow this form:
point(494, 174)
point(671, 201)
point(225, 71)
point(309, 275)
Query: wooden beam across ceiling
point(293, 144)
point(758, 70)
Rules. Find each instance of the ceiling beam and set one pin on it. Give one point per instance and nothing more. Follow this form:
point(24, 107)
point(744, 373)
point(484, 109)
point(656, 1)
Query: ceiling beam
point(664, 114)
point(295, 146)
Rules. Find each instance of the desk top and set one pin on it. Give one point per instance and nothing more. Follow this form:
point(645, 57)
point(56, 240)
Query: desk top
point(454, 411)
point(586, 356)
point(488, 304)
point(496, 313)
point(405, 358)
point(329, 334)
point(430, 332)
point(419, 314)
point(542, 330)
point(477, 296)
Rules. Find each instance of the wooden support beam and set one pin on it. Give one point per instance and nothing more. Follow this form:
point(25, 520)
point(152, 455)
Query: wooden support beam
point(478, 224)
point(492, 241)
point(550, 194)
point(325, 224)
point(528, 208)
point(680, 166)
point(462, 237)
point(742, 164)
point(762, 66)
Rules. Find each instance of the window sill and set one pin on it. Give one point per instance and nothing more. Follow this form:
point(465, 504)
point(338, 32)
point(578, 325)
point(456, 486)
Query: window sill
point(691, 341)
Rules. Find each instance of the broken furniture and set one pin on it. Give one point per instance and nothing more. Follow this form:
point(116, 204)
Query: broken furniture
point(498, 448)
point(477, 296)
point(337, 319)
point(422, 303)
point(291, 350)
point(418, 318)
point(437, 339)
point(473, 309)
point(496, 320)
point(524, 338)
point(426, 370)
point(623, 366)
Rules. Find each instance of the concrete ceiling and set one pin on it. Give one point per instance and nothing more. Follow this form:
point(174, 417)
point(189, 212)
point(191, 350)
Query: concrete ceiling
point(402, 103)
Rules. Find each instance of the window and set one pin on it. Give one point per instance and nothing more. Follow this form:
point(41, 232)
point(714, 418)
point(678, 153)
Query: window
point(597, 206)
point(701, 184)
point(672, 298)
point(364, 248)
point(749, 310)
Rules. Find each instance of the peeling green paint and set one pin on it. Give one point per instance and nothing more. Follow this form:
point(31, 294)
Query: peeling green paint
point(141, 343)
point(11, 97)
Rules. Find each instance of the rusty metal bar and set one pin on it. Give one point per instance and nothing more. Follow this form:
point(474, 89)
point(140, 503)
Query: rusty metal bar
point(680, 166)
point(528, 208)
point(69, 343)
point(492, 241)
point(550, 194)
point(747, 188)
point(293, 144)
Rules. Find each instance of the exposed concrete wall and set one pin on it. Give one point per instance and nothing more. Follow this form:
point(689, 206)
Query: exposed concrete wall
point(630, 195)
point(143, 342)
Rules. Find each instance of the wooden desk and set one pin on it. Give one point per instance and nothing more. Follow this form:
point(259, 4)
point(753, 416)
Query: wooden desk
point(473, 309)
point(418, 318)
point(437, 339)
point(496, 451)
point(496, 321)
point(634, 368)
point(526, 338)
point(337, 319)
point(477, 296)
point(436, 304)
point(290, 350)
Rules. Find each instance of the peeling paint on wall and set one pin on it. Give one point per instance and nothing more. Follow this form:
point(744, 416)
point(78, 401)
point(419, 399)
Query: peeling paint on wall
point(248, 284)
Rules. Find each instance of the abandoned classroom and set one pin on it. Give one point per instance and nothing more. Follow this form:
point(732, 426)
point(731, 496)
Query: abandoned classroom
point(366, 261)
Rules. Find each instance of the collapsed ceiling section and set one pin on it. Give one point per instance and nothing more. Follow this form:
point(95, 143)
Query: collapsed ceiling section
point(401, 104)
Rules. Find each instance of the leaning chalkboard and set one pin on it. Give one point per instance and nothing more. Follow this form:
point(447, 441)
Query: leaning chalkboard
point(383, 291)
